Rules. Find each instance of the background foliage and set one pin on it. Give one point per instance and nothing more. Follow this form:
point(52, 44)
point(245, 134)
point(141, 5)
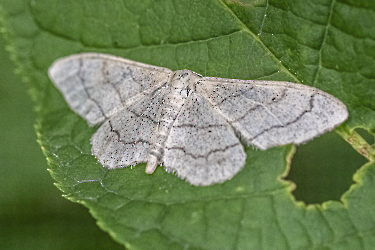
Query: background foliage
point(326, 44)
point(33, 215)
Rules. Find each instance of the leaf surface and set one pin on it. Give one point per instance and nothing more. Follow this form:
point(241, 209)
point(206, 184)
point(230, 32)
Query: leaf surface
point(326, 44)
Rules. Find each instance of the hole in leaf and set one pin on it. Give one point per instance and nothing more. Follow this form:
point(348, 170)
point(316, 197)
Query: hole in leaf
point(323, 168)
point(366, 135)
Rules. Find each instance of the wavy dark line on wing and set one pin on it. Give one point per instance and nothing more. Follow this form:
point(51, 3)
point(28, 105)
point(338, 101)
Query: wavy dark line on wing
point(288, 123)
point(204, 156)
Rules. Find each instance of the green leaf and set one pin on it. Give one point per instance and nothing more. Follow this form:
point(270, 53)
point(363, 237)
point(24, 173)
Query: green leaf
point(326, 44)
point(33, 214)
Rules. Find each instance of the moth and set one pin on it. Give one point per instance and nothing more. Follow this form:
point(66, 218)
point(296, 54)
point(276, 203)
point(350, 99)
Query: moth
point(190, 124)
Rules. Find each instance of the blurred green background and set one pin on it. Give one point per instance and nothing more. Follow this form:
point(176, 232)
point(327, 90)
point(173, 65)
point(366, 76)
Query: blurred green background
point(33, 213)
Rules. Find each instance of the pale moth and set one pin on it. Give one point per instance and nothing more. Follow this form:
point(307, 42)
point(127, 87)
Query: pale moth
point(190, 124)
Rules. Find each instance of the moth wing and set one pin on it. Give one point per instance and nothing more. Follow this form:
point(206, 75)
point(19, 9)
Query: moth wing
point(125, 138)
point(201, 147)
point(96, 85)
point(269, 113)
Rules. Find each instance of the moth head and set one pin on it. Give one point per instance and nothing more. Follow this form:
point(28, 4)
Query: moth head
point(183, 75)
point(184, 80)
